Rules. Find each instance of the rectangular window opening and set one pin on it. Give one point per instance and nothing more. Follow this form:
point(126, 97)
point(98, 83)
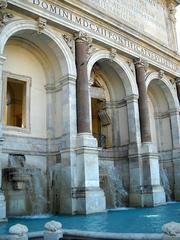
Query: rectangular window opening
point(15, 111)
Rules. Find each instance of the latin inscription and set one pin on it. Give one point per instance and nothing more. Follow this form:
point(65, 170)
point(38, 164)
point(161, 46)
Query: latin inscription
point(145, 16)
point(112, 36)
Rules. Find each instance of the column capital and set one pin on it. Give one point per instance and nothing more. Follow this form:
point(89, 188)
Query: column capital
point(82, 37)
point(2, 59)
point(140, 63)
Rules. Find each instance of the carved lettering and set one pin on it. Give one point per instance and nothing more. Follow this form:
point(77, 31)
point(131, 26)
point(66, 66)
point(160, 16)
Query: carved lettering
point(113, 37)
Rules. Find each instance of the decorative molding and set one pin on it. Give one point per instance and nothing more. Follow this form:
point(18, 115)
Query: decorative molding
point(131, 66)
point(69, 41)
point(161, 74)
point(42, 23)
point(173, 82)
point(58, 85)
point(2, 60)
point(4, 15)
point(172, 10)
point(156, 54)
point(112, 54)
point(131, 98)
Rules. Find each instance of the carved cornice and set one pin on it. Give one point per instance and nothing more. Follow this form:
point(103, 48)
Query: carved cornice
point(4, 15)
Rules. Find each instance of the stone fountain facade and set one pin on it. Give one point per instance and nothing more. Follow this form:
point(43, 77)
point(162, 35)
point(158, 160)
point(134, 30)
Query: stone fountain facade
point(89, 115)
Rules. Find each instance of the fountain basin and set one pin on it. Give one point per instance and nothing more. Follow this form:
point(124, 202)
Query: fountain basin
point(139, 220)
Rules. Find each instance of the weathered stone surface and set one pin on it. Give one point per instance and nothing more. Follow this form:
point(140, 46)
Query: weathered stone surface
point(18, 229)
point(53, 226)
point(171, 228)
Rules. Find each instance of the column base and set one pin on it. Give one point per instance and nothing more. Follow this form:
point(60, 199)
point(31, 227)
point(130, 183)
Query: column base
point(89, 200)
point(2, 208)
point(177, 192)
point(152, 191)
point(153, 196)
point(88, 195)
point(176, 162)
point(135, 199)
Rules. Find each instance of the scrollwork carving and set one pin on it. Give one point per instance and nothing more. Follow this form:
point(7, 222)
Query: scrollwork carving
point(161, 74)
point(69, 41)
point(41, 24)
point(112, 54)
point(4, 15)
point(172, 10)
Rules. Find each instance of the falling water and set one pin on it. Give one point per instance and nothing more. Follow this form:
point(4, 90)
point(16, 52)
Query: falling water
point(165, 183)
point(33, 179)
point(35, 190)
point(112, 185)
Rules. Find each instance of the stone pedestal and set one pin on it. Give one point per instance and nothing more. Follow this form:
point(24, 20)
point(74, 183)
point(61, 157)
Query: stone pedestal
point(176, 162)
point(135, 170)
point(152, 191)
point(87, 194)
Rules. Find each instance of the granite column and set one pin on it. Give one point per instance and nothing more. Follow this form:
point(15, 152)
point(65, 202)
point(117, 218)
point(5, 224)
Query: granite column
point(82, 86)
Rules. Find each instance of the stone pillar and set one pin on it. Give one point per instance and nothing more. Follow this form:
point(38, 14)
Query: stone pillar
point(87, 195)
point(82, 85)
point(135, 171)
point(175, 128)
point(152, 192)
point(178, 87)
point(2, 197)
point(143, 101)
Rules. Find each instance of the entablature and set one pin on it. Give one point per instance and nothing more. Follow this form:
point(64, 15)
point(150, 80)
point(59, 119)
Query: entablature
point(62, 14)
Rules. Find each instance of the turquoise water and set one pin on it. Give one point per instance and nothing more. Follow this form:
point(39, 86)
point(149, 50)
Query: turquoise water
point(135, 220)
